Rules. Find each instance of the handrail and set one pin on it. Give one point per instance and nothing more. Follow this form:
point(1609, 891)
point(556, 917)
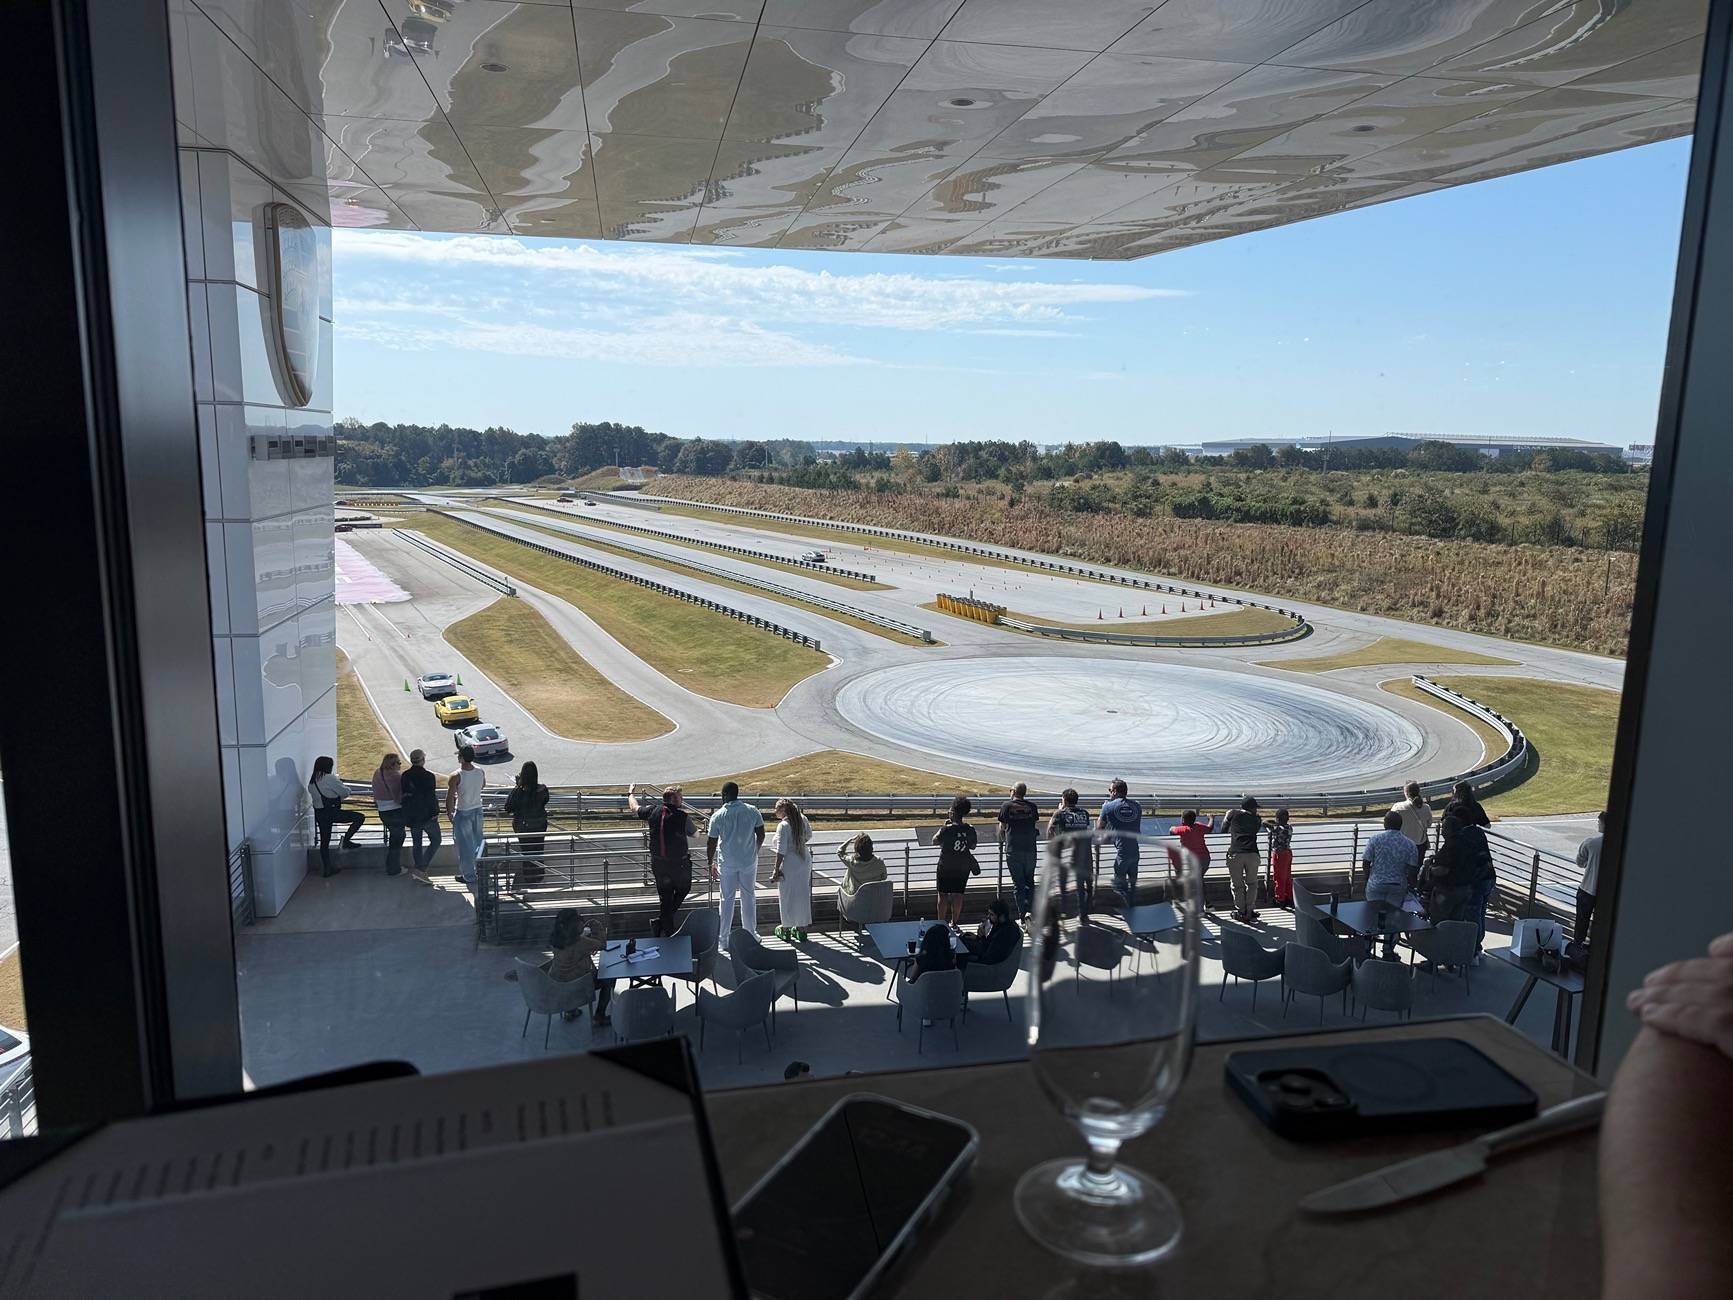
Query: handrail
point(787, 633)
point(456, 561)
point(746, 551)
point(18, 1103)
point(242, 908)
point(613, 871)
point(762, 584)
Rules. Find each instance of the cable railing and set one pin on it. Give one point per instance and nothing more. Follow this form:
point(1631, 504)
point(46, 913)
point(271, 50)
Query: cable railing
point(609, 873)
point(241, 905)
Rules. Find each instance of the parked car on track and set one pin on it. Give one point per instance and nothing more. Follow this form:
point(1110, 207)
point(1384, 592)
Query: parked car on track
point(454, 709)
point(487, 741)
point(812, 557)
point(14, 1047)
point(435, 686)
point(565, 501)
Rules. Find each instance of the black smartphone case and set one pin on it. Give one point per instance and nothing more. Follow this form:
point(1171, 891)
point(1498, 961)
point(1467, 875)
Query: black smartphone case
point(1346, 1089)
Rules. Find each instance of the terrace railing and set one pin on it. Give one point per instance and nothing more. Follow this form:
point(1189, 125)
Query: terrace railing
point(18, 1102)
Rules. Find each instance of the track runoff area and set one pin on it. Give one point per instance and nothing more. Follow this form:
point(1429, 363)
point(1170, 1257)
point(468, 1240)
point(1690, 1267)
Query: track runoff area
point(981, 703)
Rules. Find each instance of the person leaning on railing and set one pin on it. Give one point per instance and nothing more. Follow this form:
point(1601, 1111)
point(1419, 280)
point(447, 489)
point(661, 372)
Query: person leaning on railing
point(388, 799)
point(328, 794)
point(420, 814)
point(668, 829)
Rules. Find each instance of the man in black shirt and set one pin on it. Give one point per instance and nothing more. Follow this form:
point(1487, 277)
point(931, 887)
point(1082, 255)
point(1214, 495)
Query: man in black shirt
point(420, 813)
point(669, 829)
point(1019, 824)
point(1244, 860)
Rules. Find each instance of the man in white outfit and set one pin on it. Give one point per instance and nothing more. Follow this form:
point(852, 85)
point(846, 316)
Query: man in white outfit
point(737, 831)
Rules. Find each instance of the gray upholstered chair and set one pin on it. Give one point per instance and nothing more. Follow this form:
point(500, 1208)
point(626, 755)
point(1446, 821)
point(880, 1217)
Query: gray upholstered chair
point(641, 1013)
point(702, 926)
point(1310, 971)
point(1106, 898)
point(1244, 958)
point(1384, 986)
point(937, 995)
point(1098, 948)
point(546, 996)
point(749, 957)
point(739, 1010)
point(868, 905)
point(1310, 902)
point(1315, 933)
point(991, 977)
point(1449, 943)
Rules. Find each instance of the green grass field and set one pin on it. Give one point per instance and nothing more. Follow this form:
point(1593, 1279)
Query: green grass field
point(1390, 650)
point(705, 651)
point(1571, 729)
point(674, 566)
point(533, 664)
point(835, 771)
point(1232, 622)
point(361, 737)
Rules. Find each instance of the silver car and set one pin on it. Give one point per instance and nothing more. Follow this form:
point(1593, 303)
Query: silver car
point(436, 686)
point(486, 740)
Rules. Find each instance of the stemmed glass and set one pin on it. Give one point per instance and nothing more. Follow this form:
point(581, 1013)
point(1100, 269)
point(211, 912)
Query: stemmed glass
point(1111, 1021)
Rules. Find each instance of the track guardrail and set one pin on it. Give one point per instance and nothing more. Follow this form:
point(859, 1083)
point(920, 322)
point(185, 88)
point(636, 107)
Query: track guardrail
point(762, 584)
point(950, 544)
point(777, 629)
point(665, 534)
point(456, 561)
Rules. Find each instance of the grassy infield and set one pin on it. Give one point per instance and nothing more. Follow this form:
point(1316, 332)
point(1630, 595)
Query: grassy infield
point(1570, 727)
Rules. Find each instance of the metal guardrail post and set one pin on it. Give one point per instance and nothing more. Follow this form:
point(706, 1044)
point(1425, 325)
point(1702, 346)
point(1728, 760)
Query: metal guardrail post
point(905, 879)
point(999, 887)
point(607, 898)
point(1533, 884)
point(1355, 860)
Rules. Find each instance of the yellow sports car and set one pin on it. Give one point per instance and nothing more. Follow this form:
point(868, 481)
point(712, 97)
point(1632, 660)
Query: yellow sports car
point(456, 710)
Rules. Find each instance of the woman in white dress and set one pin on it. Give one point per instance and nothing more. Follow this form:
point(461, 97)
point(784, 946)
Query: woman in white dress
point(793, 874)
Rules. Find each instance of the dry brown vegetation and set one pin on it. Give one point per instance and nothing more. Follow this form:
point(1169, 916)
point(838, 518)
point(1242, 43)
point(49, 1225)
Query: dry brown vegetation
point(1547, 594)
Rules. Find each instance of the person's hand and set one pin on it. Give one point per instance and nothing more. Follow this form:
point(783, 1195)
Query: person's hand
point(1692, 999)
point(632, 788)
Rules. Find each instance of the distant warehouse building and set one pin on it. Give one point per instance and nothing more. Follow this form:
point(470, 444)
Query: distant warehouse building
point(1491, 444)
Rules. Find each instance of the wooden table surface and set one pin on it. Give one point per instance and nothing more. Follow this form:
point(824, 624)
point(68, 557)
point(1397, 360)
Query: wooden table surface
point(1529, 1227)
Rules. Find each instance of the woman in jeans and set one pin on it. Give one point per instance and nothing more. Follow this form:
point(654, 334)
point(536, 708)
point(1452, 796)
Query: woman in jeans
point(388, 799)
point(328, 795)
point(528, 805)
point(463, 805)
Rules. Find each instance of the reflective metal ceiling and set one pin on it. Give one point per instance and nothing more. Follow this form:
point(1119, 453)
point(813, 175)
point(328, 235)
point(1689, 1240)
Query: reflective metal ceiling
point(1045, 128)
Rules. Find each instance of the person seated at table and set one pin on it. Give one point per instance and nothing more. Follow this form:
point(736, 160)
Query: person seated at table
point(862, 867)
point(1392, 862)
point(997, 937)
point(934, 952)
point(575, 943)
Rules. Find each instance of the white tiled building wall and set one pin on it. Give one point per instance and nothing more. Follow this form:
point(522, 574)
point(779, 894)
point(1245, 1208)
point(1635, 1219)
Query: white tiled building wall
point(244, 144)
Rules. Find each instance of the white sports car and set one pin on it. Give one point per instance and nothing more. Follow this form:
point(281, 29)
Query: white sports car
point(487, 741)
point(436, 686)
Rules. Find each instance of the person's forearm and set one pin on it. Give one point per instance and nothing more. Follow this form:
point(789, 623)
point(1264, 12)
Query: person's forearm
point(1666, 1172)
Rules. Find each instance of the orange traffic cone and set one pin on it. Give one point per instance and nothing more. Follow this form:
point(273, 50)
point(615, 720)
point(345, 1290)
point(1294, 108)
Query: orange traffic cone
point(1122, 611)
point(1145, 613)
point(1164, 609)
point(1097, 616)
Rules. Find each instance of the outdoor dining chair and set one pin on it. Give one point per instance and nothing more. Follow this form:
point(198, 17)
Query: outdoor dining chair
point(746, 1006)
point(991, 977)
point(937, 995)
point(1244, 958)
point(702, 927)
point(1098, 948)
point(1311, 971)
point(642, 1013)
point(1384, 986)
point(868, 905)
point(749, 957)
point(546, 996)
point(1449, 943)
point(1316, 933)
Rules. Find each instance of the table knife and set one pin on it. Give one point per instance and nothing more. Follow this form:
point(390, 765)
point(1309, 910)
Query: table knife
point(1411, 1178)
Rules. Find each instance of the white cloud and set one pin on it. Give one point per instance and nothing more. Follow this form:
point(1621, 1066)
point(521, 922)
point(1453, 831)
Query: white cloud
point(679, 339)
point(705, 281)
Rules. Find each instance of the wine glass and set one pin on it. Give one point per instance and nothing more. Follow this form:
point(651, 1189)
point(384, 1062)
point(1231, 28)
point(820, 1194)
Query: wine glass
point(1111, 1021)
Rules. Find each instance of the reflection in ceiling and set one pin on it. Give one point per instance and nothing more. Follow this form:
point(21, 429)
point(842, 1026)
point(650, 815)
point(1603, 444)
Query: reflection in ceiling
point(1041, 128)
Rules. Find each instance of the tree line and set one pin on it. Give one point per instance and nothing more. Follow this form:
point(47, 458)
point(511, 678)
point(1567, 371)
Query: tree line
point(419, 455)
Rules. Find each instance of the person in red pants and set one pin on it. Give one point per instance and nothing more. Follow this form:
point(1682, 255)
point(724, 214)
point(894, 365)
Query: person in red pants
point(1281, 859)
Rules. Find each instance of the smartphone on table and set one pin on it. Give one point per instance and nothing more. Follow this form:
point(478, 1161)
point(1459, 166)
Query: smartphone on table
point(831, 1218)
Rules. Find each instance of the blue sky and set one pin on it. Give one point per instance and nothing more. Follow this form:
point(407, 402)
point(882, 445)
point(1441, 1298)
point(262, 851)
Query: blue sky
point(1536, 303)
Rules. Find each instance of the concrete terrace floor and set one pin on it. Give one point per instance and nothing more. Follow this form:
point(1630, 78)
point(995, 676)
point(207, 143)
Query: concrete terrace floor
point(364, 967)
